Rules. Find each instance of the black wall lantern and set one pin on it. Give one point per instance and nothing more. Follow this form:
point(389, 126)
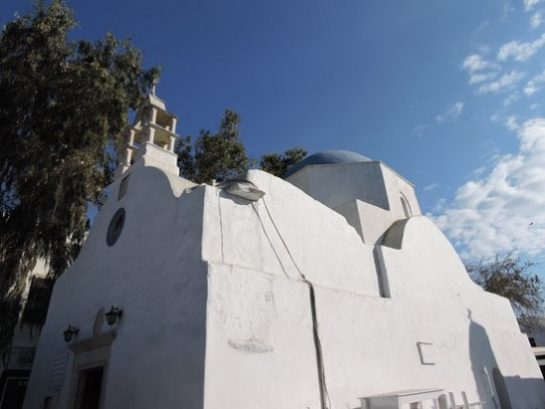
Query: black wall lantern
point(70, 333)
point(113, 315)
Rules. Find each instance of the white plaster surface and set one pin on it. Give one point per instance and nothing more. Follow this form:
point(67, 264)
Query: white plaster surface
point(216, 296)
point(367, 194)
point(336, 184)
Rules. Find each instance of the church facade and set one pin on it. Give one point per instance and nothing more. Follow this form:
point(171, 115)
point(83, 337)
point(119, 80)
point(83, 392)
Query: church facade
point(326, 289)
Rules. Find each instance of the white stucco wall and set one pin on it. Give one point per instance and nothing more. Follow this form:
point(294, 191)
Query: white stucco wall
point(367, 194)
point(260, 351)
point(397, 186)
point(338, 183)
point(216, 293)
point(431, 301)
point(156, 274)
point(370, 344)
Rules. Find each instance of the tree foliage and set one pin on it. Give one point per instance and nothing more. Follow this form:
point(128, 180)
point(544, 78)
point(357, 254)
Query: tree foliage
point(222, 155)
point(277, 164)
point(63, 108)
point(214, 156)
point(511, 278)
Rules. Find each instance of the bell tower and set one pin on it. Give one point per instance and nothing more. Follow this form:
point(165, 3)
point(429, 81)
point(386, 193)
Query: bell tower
point(150, 140)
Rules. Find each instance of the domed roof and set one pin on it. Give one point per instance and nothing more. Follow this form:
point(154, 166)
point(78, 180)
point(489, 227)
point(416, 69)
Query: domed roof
point(327, 157)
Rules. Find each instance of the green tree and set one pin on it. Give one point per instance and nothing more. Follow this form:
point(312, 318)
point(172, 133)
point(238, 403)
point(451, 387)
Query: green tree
point(218, 156)
point(511, 278)
point(222, 155)
point(63, 110)
point(277, 164)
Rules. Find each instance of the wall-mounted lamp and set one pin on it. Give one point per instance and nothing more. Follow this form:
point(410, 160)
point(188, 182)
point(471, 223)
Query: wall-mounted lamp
point(113, 315)
point(242, 188)
point(70, 333)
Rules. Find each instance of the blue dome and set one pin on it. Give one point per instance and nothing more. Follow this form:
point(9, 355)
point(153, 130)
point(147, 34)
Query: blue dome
point(327, 157)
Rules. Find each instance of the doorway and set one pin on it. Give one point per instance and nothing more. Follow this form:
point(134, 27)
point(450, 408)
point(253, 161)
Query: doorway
point(89, 388)
point(13, 385)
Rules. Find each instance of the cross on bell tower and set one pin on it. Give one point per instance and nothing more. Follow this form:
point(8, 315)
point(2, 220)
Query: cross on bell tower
point(151, 139)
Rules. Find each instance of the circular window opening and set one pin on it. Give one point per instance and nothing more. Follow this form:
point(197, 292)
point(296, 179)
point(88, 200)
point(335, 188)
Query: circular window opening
point(115, 227)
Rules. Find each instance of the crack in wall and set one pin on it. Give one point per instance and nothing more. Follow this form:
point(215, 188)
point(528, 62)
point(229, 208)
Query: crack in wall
point(318, 349)
point(324, 395)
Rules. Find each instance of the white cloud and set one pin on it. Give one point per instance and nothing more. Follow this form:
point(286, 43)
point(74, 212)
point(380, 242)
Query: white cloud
point(520, 51)
point(420, 129)
point(452, 113)
point(483, 48)
point(475, 62)
point(482, 26)
point(536, 19)
point(511, 98)
point(495, 117)
point(430, 187)
point(504, 82)
point(534, 84)
point(480, 77)
point(508, 9)
point(530, 4)
point(479, 68)
point(503, 209)
point(511, 123)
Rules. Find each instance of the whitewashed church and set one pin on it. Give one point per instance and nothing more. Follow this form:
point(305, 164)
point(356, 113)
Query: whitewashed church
point(326, 290)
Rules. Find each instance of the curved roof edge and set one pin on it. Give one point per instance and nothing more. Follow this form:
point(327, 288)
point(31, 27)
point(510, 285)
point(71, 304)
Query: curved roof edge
point(326, 158)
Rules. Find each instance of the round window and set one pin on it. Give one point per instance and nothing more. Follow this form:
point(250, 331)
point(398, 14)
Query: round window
point(115, 227)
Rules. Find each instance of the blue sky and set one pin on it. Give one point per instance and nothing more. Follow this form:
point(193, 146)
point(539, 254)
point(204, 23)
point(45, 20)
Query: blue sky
point(447, 93)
